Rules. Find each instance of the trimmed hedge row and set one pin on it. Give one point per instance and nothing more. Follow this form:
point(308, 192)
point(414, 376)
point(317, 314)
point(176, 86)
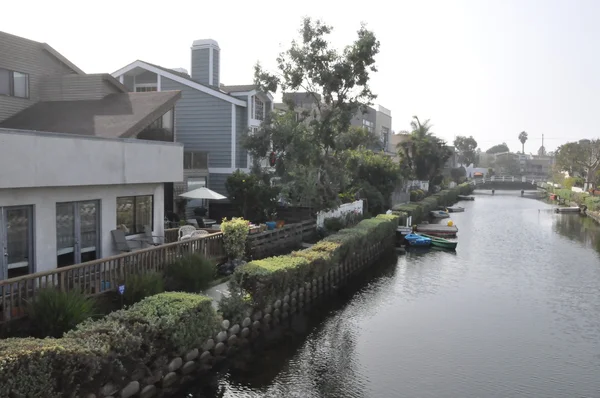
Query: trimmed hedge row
point(446, 197)
point(269, 278)
point(581, 198)
point(144, 335)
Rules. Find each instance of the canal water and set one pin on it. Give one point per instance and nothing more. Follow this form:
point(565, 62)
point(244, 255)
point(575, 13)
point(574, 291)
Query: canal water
point(515, 312)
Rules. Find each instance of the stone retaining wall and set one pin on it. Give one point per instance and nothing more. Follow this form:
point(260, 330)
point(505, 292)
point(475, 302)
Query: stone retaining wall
point(226, 342)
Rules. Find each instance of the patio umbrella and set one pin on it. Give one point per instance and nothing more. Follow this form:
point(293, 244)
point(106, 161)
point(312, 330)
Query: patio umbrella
point(202, 193)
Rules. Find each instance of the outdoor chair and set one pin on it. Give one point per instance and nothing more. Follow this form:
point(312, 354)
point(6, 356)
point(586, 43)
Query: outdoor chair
point(149, 238)
point(198, 233)
point(186, 231)
point(123, 245)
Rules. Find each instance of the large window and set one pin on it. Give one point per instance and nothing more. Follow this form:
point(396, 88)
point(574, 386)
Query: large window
point(134, 213)
point(259, 109)
point(195, 160)
point(14, 84)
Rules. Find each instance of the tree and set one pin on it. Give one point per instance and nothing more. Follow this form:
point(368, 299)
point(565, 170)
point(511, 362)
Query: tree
point(500, 148)
point(508, 165)
point(457, 174)
point(372, 176)
point(253, 198)
point(582, 157)
point(523, 139)
point(307, 154)
point(423, 155)
point(466, 147)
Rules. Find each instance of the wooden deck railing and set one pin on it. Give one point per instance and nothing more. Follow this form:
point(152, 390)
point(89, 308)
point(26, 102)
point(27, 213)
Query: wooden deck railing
point(98, 276)
point(280, 240)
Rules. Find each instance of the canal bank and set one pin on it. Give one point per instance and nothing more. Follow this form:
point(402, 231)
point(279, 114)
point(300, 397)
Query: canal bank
point(514, 312)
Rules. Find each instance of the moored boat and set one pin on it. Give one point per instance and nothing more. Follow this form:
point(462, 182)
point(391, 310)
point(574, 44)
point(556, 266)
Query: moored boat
point(417, 240)
point(465, 197)
point(455, 209)
point(572, 209)
point(440, 242)
point(439, 214)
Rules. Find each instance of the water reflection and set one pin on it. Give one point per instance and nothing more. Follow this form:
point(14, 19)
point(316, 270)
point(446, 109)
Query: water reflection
point(514, 313)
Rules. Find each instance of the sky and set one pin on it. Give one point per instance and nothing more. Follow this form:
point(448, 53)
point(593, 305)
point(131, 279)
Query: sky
point(486, 68)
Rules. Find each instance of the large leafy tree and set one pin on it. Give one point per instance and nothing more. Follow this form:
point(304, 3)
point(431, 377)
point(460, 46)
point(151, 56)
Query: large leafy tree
point(523, 138)
point(422, 154)
point(307, 151)
point(467, 150)
point(582, 157)
point(500, 148)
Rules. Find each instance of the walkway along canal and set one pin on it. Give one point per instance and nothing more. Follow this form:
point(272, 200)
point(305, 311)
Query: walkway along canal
point(515, 312)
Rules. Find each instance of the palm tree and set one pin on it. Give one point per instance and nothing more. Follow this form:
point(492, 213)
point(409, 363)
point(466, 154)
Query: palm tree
point(523, 139)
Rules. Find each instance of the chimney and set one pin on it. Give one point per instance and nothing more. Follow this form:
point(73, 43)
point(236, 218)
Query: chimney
point(205, 62)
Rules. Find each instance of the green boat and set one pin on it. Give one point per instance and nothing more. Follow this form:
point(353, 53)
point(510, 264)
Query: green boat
point(440, 242)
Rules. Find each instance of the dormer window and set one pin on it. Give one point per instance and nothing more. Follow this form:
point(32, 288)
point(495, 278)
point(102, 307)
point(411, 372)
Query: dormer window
point(14, 84)
point(259, 109)
point(145, 88)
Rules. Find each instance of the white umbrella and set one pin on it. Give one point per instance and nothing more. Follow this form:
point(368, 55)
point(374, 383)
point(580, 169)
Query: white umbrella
point(202, 193)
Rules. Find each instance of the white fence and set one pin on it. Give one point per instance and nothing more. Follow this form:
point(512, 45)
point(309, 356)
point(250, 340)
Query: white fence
point(577, 189)
point(356, 207)
point(416, 184)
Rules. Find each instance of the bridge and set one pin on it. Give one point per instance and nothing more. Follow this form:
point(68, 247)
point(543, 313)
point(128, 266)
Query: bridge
point(510, 183)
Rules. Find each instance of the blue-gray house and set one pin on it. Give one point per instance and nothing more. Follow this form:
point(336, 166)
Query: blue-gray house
point(210, 117)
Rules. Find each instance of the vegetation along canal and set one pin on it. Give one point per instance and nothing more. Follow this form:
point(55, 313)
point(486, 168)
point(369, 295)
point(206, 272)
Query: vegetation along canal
point(514, 313)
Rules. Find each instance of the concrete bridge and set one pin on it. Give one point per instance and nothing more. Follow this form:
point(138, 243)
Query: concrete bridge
point(509, 183)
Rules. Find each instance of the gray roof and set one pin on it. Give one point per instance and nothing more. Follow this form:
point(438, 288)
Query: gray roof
point(240, 88)
point(114, 116)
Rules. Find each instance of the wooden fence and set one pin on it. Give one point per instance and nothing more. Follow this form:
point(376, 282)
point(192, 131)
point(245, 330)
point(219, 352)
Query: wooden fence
point(279, 241)
point(99, 276)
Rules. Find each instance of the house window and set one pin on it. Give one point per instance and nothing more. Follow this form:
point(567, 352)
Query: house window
point(368, 125)
point(259, 109)
point(135, 212)
point(195, 160)
point(14, 84)
point(145, 88)
point(385, 136)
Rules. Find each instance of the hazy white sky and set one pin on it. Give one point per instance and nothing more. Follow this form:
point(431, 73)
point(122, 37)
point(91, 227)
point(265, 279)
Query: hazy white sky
point(487, 68)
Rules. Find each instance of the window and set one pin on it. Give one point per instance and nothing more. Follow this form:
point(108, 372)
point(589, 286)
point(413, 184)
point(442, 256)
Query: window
point(368, 125)
point(385, 136)
point(195, 160)
point(259, 109)
point(14, 84)
point(145, 88)
point(135, 212)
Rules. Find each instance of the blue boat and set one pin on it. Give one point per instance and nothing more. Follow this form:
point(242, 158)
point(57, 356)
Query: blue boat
point(417, 240)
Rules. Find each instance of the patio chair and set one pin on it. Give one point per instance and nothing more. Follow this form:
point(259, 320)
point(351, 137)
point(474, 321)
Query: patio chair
point(198, 232)
point(123, 245)
point(149, 238)
point(186, 231)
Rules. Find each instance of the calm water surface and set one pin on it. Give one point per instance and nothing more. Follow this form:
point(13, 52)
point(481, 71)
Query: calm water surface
point(514, 313)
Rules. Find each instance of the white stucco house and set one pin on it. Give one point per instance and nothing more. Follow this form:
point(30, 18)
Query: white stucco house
point(79, 156)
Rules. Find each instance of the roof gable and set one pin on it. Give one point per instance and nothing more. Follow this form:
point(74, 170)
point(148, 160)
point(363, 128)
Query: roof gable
point(180, 78)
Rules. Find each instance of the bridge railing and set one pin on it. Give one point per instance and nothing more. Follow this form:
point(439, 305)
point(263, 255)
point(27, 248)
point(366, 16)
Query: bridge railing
point(523, 179)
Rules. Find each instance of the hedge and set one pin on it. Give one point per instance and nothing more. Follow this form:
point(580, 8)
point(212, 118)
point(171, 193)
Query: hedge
point(268, 279)
point(420, 210)
point(144, 335)
point(581, 198)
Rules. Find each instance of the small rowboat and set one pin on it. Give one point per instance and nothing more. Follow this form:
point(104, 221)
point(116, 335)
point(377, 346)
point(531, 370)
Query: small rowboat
point(439, 214)
point(455, 209)
point(567, 209)
point(441, 242)
point(417, 240)
point(464, 197)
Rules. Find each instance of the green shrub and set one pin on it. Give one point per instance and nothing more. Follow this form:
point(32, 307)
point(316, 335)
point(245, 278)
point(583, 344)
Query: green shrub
point(267, 279)
point(53, 312)
point(237, 305)
point(346, 220)
point(235, 233)
point(191, 273)
point(420, 210)
point(139, 286)
point(166, 324)
point(50, 368)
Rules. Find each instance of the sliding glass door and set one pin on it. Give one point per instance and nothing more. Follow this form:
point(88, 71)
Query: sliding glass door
point(77, 232)
point(16, 241)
